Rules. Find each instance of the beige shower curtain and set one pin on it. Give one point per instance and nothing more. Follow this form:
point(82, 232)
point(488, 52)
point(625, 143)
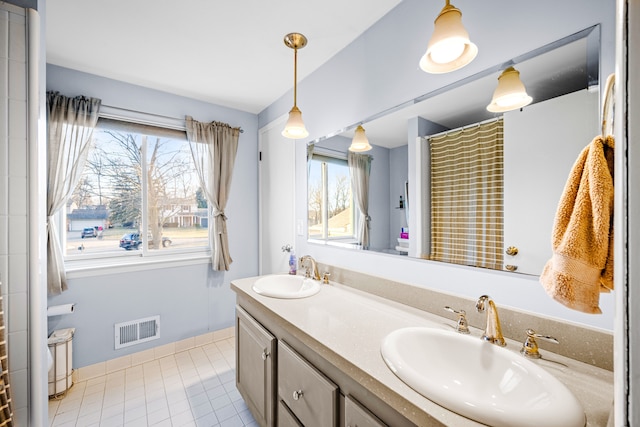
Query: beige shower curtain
point(213, 147)
point(70, 124)
point(467, 195)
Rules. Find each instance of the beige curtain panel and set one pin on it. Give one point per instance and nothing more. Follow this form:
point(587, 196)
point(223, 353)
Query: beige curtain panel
point(70, 124)
point(467, 195)
point(360, 171)
point(6, 411)
point(214, 147)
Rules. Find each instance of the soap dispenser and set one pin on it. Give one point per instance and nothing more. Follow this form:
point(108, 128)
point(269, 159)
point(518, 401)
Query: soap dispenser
point(293, 263)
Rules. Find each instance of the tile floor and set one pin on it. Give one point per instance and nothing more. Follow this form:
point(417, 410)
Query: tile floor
point(195, 387)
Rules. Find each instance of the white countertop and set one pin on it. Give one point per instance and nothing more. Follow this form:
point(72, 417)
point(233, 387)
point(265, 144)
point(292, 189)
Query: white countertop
point(349, 325)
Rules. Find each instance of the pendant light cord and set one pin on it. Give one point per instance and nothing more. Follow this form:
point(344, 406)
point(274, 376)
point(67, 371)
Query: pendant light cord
point(295, 76)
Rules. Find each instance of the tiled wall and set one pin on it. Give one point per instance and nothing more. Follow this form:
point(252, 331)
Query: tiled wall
point(13, 198)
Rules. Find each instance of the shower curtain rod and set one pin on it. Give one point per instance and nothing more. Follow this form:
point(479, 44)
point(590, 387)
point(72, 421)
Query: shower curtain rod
point(145, 118)
point(484, 122)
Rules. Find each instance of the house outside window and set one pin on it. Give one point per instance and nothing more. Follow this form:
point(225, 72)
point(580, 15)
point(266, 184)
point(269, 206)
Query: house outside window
point(139, 192)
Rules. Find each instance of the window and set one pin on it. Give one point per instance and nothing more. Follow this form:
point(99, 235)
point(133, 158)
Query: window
point(330, 213)
point(138, 194)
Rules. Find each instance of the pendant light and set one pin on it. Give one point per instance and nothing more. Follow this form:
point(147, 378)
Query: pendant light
point(360, 142)
point(510, 94)
point(449, 48)
point(294, 128)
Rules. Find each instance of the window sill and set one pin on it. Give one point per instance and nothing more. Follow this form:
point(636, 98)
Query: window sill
point(117, 265)
point(341, 243)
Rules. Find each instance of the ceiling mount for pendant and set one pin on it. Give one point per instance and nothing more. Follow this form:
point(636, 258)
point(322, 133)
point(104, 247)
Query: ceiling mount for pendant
point(295, 40)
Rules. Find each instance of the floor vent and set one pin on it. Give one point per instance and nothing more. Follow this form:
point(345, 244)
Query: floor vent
point(137, 331)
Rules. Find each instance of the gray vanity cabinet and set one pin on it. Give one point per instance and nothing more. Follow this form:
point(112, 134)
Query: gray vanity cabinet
point(255, 367)
point(355, 415)
point(282, 388)
point(286, 417)
point(311, 397)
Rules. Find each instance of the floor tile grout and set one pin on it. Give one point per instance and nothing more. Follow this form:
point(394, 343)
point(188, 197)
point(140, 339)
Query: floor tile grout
point(195, 387)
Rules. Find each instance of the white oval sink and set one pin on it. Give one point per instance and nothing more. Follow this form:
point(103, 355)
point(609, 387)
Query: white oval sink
point(480, 380)
point(286, 286)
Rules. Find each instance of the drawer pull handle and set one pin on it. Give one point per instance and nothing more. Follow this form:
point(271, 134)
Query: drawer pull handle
point(265, 355)
point(297, 394)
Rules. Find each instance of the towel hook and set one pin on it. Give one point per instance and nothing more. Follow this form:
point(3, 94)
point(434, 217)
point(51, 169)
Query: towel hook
point(607, 105)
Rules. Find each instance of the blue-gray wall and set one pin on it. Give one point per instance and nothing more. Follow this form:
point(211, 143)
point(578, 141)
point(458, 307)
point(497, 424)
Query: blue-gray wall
point(379, 71)
point(191, 300)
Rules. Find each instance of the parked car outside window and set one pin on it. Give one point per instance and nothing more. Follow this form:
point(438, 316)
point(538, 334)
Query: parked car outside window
point(88, 232)
point(132, 241)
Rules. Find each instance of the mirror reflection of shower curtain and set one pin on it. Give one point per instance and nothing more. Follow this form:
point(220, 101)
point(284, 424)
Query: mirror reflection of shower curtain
point(467, 189)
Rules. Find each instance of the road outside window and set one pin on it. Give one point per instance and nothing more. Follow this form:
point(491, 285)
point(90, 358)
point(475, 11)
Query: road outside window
point(138, 194)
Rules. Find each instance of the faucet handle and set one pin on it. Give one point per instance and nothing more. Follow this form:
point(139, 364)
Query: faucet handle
point(462, 326)
point(301, 262)
point(530, 346)
point(325, 278)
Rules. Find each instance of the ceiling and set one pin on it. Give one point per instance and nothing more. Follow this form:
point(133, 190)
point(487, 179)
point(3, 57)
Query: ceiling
point(229, 53)
point(232, 54)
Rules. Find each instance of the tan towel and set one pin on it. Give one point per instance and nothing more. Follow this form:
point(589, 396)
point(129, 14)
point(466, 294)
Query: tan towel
point(582, 263)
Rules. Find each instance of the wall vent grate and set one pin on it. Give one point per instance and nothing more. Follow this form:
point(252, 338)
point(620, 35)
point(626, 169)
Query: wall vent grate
point(137, 331)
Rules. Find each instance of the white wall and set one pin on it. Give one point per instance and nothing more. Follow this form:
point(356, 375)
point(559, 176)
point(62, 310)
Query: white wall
point(384, 62)
point(191, 300)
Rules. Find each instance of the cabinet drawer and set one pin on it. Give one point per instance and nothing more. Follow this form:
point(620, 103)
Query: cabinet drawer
point(311, 396)
point(355, 415)
point(285, 417)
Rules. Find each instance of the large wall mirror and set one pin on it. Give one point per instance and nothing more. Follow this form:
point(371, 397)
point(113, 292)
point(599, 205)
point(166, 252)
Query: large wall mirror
point(541, 142)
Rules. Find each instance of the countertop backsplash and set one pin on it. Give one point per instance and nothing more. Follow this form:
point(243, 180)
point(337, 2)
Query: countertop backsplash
point(586, 345)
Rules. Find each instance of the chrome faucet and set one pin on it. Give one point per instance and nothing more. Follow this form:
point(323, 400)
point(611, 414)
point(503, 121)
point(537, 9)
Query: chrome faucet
point(309, 269)
point(493, 331)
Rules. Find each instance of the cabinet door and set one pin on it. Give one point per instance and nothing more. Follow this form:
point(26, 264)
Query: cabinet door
point(311, 396)
point(285, 417)
point(355, 415)
point(255, 368)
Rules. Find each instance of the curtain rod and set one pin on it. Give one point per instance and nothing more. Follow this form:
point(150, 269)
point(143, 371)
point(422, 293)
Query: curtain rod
point(143, 113)
point(484, 122)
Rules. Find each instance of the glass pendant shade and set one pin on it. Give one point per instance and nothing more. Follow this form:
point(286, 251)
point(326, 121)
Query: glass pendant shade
point(359, 143)
point(295, 128)
point(510, 94)
point(449, 48)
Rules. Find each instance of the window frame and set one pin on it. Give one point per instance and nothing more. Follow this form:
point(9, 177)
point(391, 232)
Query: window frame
point(87, 265)
point(331, 156)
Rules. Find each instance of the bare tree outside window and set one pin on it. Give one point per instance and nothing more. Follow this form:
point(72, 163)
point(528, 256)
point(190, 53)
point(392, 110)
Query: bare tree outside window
point(131, 176)
point(329, 199)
